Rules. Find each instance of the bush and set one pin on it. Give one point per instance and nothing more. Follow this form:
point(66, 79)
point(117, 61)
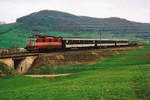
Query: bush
point(4, 71)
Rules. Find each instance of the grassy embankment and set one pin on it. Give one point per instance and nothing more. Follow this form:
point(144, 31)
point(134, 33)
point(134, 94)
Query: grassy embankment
point(11, 36)
point(123, 77)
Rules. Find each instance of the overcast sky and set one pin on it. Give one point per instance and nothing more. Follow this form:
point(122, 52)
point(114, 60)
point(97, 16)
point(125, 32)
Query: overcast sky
point(135, 10)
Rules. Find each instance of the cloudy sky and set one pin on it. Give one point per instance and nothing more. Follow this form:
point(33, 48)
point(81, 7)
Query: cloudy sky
point(135, 10)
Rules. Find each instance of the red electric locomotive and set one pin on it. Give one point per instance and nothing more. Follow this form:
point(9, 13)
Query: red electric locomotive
point(38, 43)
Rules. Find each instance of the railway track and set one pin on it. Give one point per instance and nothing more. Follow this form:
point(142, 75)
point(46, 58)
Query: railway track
point(18, 55)
point(24, 54)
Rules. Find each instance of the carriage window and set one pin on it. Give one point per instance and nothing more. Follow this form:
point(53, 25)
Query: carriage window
point(67, 41)
point(122, 41)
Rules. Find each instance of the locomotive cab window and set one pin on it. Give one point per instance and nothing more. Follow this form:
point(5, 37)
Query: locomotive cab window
point(28, 41)
point(31, 41)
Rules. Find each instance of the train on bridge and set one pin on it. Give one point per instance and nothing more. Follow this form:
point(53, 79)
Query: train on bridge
point(40, 43)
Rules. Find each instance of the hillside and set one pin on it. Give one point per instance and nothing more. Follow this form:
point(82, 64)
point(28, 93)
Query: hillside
point(50, 20)
point(12, 36)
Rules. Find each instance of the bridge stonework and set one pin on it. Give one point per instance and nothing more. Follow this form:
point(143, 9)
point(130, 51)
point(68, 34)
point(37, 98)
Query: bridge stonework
point(22, 66)
point(9, 62)
point(25, 64)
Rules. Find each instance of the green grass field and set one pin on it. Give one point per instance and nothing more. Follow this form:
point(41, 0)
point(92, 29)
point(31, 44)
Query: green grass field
point(122, 77)
point(12, 38)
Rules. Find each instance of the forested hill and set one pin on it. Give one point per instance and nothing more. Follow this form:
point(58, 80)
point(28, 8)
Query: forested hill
point(50, 20)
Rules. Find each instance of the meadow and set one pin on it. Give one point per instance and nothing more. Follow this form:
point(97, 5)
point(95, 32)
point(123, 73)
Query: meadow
point(122, 77)
point(11, 36)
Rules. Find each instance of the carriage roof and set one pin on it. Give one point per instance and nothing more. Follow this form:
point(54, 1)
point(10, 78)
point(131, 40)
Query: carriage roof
point(82, 38)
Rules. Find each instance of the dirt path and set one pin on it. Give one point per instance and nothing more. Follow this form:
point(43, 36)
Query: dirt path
point(51, 75)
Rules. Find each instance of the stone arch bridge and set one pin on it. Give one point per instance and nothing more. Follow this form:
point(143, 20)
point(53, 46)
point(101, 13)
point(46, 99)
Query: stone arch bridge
point(21, 63)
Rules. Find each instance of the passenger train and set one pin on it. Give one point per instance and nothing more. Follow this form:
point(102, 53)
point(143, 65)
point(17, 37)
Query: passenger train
point(39, 43)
